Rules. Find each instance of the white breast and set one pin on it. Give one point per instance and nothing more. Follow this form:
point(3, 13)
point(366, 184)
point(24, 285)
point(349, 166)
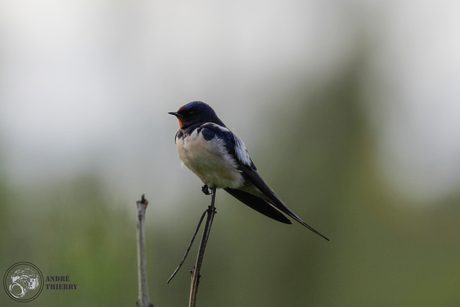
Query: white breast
point(209, 161)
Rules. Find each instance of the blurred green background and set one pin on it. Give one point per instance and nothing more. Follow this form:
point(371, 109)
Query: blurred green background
point(349, 110)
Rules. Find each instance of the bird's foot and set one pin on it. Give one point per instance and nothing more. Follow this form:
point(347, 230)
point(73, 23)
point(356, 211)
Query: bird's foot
point(205, 189)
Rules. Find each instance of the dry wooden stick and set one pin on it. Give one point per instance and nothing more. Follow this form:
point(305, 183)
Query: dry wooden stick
point(144, 299)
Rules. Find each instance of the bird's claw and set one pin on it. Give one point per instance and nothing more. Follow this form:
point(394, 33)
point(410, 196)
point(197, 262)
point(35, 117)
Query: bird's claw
point(205, 190)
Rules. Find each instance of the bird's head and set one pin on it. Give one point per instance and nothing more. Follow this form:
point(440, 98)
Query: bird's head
point(196, 112)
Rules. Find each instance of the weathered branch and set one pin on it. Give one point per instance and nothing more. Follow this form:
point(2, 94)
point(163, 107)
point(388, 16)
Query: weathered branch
point(143, 300)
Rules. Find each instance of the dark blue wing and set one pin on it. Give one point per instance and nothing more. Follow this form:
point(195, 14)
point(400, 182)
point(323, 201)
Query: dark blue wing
point(231, 143)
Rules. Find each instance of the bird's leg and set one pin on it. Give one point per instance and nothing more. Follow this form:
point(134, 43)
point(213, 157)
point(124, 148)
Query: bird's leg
point(205, 189)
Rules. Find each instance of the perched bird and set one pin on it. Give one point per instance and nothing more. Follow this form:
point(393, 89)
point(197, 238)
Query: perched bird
point(220, 159)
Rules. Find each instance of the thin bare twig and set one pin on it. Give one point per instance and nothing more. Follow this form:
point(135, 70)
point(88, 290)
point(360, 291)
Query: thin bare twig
point(143, 300)
point(204, 240)
point(188, 248)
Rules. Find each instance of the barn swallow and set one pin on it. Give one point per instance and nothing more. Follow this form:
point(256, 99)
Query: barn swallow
point(220, 159)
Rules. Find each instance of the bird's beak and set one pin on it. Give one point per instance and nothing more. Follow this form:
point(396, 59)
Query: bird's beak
point(180, 117)
point(175, 114)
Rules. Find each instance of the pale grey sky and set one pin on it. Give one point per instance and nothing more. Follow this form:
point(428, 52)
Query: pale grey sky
point(86, 85)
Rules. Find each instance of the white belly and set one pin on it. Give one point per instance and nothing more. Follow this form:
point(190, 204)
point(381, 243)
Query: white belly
point(209, 161)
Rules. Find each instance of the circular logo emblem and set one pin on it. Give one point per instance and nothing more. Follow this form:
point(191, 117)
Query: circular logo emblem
point(23, 282)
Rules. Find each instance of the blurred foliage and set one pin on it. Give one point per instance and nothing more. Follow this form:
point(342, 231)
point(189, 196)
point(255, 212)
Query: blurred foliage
point(70, 229)
point(319, 157)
